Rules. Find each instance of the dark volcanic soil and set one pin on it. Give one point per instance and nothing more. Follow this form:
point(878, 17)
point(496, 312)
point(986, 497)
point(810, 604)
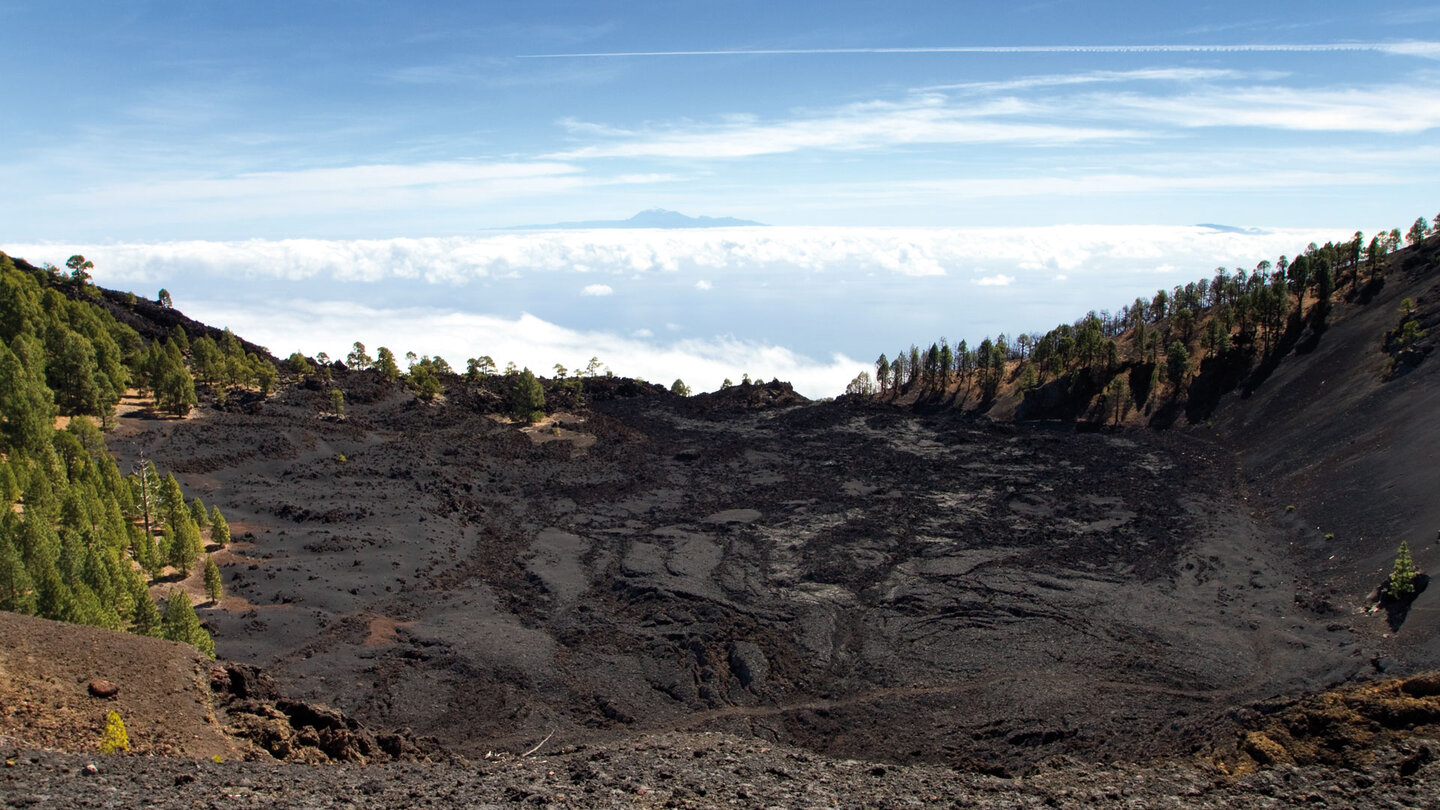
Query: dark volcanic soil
point(697, 771)
point(855, 581)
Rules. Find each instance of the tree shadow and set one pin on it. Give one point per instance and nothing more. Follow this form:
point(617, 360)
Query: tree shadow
point(1294, 328)
point(1396, 610)
point(1370, 290)
point(1219, 374)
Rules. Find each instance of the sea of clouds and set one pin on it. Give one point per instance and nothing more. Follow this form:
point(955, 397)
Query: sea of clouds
point(813, 305)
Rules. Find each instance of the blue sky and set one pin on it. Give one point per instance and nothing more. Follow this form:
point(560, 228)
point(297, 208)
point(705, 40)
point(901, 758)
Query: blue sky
point(920, 163)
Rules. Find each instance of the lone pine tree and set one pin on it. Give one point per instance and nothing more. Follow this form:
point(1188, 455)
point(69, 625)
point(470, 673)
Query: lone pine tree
point(1402, 577)
point(527, 398)
point(213, 587)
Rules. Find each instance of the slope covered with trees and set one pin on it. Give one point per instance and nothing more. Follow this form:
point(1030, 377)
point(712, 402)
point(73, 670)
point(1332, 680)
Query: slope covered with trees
point(80, 541)
point(1161, 358)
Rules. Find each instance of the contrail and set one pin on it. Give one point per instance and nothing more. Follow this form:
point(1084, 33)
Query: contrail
point(1412, 48)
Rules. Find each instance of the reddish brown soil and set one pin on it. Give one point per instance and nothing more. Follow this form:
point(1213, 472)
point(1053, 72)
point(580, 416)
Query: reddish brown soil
point(164, 695)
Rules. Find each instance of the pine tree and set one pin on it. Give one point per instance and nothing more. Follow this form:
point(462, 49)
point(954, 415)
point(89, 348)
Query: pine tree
point(1177, 363)
point(357, 359)
point(424, 382)
point(198, 513)
point(53, 598)
point(179, 337)
point(185, 546)
point(385, 364)
point(145, 617)
point(264, 373)
point(181, 624)
point(527, 398)
point(17, 592)
point(213, 586)
point(146, 552)
point(90, 609)
point(1402, 576)
point(27, 408)
point(72, 374)
point(171, 383)
point(9, 487)
point(145, 495)
point(165, 546)
point(172, 500)
point(219, 529)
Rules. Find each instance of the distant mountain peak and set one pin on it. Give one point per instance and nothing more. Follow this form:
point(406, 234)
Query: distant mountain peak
point(651, 218)
point(1232, 229)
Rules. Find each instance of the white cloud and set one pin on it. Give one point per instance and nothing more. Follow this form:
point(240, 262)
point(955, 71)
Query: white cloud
point(597, 289)
point(332, 326)
point(997, 280)
point(702, 285)
point(744, 255)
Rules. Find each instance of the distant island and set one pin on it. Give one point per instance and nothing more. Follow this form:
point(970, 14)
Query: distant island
point(650, 218)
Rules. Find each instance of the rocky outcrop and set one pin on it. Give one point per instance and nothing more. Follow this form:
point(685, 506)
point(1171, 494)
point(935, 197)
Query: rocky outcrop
point(297, 731)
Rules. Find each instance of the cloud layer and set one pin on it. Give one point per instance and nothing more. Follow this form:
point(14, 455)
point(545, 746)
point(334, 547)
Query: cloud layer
point(528, 341)
point(702, 305)
point(750, 252)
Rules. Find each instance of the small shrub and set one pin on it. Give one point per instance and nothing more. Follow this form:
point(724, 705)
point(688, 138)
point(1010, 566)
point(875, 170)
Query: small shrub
point(114, 740)
point(1290, 508)
point(1329, 536)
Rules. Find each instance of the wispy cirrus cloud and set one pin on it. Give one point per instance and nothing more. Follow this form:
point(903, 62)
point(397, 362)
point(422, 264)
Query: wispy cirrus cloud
point(1007, 116)
point(342, 180)
point(1174, 74)
point(1113, 184)
point(1426, 48)
point(919, 119)
point(499, 73)
point(1390, 109)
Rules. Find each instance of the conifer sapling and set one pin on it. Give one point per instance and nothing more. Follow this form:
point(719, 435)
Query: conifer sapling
point(1402, 576)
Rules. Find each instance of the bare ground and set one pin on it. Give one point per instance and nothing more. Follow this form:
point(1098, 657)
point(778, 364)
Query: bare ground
point(856, 581)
